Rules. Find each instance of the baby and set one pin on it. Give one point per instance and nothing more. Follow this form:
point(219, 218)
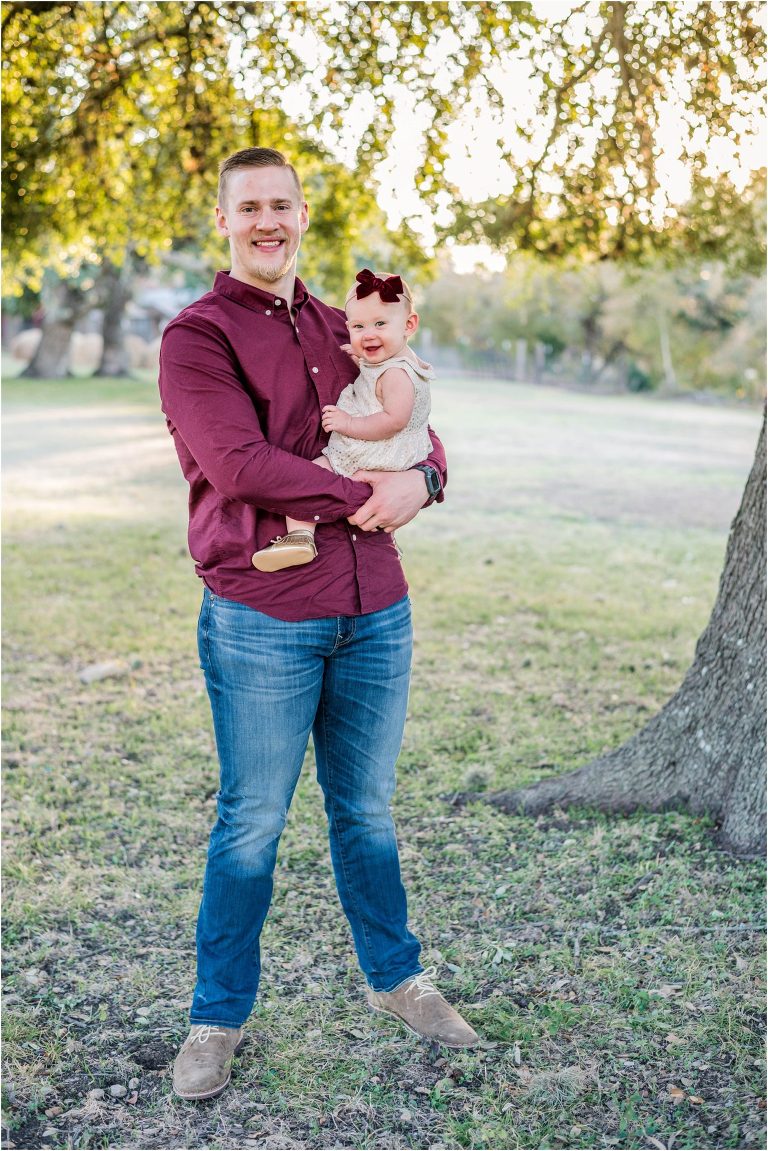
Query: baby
point(380, 420)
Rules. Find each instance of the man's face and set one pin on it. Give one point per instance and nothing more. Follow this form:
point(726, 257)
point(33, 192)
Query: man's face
point(264, 219)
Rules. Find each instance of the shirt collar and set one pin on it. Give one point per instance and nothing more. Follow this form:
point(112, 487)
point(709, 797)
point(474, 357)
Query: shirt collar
point(256, 298)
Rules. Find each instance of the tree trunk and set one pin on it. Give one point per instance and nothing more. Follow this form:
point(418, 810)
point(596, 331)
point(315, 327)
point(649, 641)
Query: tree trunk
point(666, 351)
point(521, 360)
point(706, 749)
point(115, 284)
point(63, 303)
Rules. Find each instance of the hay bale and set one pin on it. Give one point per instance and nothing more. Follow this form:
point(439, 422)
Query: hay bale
point(153, 353)
point(85, 351)
point(138, 351)
point(23, 346)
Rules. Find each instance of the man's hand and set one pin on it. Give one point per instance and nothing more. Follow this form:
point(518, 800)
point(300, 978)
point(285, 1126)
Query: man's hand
point(396, 499)
point(335, 420)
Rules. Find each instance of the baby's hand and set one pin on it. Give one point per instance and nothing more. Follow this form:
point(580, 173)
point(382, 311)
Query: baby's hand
point(334, 419)
point(348, 349)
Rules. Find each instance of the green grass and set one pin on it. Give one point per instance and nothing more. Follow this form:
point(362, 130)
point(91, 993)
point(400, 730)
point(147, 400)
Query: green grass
point(613, 966)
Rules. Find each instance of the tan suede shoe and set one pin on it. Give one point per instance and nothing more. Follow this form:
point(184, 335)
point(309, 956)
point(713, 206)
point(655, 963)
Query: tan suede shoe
point(286, 552)
point(203, 1067)
point(420, 1006)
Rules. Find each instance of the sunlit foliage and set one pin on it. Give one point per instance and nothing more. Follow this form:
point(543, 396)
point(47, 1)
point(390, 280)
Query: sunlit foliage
point(115, 115)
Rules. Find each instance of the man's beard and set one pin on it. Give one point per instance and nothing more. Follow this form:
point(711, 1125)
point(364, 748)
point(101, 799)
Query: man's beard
point(271, 273)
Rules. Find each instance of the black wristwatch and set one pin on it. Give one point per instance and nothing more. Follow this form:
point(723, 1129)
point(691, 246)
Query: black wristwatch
point(432, 477)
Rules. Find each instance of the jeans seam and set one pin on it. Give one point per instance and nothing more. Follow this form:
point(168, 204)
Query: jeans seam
point(339, 642)
point(205, 618)
point(360, 917)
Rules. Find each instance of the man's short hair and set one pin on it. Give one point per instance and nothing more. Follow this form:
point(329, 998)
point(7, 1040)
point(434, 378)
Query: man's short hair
point(255, 158)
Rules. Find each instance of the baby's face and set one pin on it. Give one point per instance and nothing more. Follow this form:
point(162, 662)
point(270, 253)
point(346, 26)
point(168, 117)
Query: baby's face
point(377, 330)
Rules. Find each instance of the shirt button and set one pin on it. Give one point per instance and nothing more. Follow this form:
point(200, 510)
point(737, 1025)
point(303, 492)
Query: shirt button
point(267, 313)
point(277, 303)
point(354, 538)
point(315, 370)
point(317, 517)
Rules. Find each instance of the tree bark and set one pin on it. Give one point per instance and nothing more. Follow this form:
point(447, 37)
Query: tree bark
point(706, 749)
point(63, 304)
point(115, 283)
point(670, 379)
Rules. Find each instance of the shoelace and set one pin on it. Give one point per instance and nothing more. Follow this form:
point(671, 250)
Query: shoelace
point(291, 537)
point(204, 1033)
point(423, 983)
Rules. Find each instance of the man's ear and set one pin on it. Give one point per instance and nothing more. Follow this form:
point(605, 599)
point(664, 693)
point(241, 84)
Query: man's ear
point(221, 222)
point(412, 323)
point(304, 217)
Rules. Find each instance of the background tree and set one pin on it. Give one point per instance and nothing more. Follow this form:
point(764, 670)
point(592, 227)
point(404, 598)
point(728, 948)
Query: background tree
point(115, 118)
point(674, 326)
point(705, 750)
point(588, 167)
point(157, 92)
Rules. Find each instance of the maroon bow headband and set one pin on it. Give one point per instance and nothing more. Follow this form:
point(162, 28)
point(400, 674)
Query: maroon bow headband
point(390, 289)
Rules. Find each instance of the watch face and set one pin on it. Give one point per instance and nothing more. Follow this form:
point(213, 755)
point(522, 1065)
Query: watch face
point(433, 481)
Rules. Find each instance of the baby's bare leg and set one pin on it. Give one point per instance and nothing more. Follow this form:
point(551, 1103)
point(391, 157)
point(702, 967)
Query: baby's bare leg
point(301, 525)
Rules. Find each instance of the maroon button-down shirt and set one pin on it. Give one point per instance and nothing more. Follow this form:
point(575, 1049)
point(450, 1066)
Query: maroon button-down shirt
point(242, 388)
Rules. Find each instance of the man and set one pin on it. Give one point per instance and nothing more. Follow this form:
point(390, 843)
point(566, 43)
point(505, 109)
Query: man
point(326, 649)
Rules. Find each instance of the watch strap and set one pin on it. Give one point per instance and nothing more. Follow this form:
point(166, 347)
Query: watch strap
point(432, 478)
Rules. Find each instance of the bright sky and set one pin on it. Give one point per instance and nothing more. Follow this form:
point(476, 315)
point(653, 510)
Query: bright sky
point(476, 165)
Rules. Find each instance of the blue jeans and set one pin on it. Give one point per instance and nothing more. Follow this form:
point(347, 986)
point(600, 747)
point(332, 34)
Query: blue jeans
point(271, 683)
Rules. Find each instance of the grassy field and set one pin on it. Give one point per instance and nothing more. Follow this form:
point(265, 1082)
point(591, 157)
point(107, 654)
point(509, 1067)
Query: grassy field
point(614, 967)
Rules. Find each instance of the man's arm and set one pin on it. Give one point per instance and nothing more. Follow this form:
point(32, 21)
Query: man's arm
point(399, 496)
point(209, 409)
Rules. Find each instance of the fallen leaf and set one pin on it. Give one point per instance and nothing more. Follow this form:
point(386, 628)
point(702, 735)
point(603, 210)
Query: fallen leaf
point(676, 1094)
point(110, 669)
point(666, 991)
point(674, 1040)
point(695, 1099)
point(132, 1098)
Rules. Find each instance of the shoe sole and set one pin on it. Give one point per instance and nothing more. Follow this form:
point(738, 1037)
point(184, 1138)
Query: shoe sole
point(199, 1098)
point(413, 1031)
point(205, 1094)
point(276, 563)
